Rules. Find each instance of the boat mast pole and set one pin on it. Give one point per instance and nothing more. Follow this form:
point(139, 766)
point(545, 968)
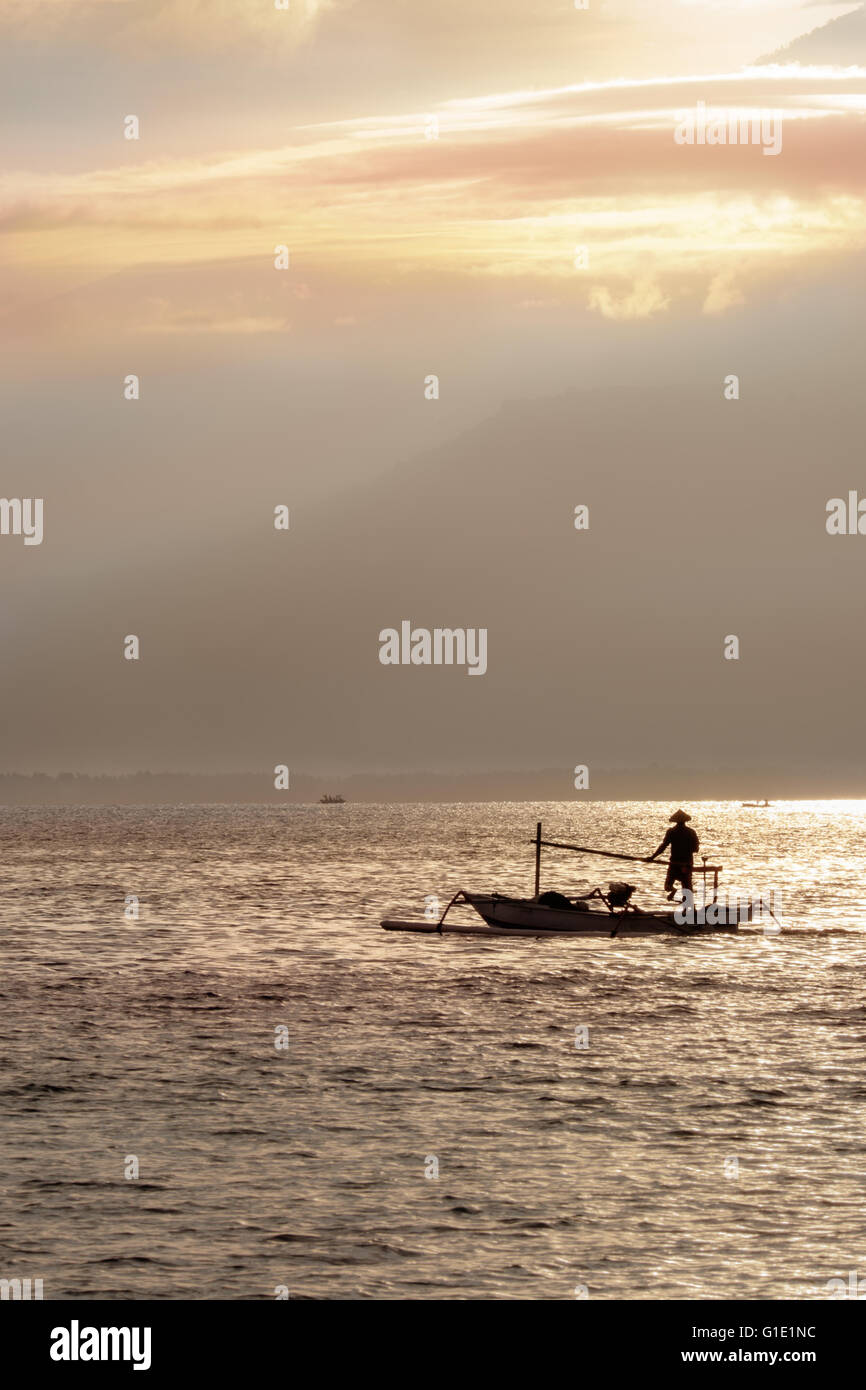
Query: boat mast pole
point(537, 857)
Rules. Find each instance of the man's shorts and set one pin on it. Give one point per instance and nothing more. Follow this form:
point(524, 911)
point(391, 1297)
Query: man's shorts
point(678, 873)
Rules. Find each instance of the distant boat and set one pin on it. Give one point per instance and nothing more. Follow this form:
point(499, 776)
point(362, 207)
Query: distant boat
point(328, 800)
point(756, 803)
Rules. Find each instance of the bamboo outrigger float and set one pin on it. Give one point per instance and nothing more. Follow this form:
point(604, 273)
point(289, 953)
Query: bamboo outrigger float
point(598, 913)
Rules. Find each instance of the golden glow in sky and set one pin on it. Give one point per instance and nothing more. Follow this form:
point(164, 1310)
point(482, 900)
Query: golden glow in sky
point(260, 127)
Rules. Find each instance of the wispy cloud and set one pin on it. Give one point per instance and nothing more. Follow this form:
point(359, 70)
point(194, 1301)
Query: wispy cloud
point(514, 181)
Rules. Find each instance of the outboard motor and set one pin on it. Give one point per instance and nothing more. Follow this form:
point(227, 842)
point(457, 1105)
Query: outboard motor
point(618, 894)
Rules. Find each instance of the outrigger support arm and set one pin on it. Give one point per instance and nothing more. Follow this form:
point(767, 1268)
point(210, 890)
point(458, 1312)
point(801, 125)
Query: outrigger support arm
point(457, 897)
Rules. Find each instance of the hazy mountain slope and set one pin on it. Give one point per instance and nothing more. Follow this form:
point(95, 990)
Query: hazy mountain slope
point(841, 42)
point(604, 646)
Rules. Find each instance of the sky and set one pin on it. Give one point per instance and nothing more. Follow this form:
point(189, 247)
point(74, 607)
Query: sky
point(491, 193)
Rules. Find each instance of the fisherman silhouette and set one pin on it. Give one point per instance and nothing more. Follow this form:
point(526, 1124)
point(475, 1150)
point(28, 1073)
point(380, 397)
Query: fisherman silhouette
point(683, 842)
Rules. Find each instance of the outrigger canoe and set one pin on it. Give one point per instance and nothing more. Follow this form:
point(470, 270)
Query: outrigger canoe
point(504, 916)
point(597, 913)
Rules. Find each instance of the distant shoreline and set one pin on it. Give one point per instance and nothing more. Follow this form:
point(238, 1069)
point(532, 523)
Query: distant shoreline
point(254, 789)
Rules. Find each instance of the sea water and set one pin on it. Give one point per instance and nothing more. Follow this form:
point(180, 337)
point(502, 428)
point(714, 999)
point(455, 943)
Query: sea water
point(222, 1079)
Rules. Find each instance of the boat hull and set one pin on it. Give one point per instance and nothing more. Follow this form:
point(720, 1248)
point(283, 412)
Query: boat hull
point(525, 914)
